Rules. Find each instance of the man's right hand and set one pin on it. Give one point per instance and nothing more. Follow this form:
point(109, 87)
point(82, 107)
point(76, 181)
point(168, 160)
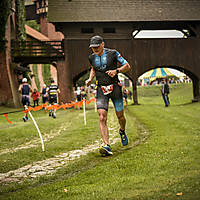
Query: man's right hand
point(88, 82)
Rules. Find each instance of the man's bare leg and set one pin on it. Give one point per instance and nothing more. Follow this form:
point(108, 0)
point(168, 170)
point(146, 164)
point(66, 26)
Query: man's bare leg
point(122, 122)
point(103, 125)
point(121, 119)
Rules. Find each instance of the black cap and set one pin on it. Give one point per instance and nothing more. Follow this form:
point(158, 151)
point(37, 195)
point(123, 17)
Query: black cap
point(52, 81)
point(96, 41)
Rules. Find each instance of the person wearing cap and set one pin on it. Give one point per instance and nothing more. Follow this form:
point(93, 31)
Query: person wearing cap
point(53, 91)
point(25, 89)
point(104, 65)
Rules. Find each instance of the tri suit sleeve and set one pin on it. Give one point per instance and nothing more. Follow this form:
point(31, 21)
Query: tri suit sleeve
point(120, 59)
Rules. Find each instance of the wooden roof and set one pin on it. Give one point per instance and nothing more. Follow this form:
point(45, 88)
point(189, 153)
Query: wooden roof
point(35, 34)
point(123, 10)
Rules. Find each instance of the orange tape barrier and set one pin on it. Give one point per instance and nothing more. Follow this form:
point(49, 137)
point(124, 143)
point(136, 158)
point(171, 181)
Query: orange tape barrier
point(6, 116)
point(63, 106)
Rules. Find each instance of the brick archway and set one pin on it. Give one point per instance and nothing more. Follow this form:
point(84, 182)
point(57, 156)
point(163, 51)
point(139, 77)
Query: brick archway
point(142, 54)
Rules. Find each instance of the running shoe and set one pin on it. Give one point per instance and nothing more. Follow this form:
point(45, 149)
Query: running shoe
point(106, 150)
point(24, 118)
point(124, 138)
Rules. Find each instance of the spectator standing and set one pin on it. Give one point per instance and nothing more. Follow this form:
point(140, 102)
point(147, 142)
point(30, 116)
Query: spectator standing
point(165, 92)
point(36, 97)
point(129, 94)
point(44, 94)
point(78, 94)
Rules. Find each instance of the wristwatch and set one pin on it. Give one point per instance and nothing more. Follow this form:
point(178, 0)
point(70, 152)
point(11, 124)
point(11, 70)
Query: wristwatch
point(117, 70)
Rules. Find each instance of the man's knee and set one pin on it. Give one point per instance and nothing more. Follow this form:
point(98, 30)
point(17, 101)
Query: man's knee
point(102, 117)
point(120, 116)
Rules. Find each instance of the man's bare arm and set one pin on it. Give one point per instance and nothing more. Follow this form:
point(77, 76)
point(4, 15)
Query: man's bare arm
point(122, 69)
point(20, 88)
point(92, 75)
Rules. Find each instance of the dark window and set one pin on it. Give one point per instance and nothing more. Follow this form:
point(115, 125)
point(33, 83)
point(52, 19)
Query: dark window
point(87, 30)
point(109, 30)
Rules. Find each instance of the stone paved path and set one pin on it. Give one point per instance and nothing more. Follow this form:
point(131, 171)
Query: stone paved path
point(49, 166)
point(36, 142)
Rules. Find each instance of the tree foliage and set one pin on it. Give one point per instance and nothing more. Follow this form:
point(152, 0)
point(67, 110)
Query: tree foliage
point(20, 20)
point(5, 10)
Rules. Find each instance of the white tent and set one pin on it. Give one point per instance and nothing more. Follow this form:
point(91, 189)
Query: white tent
point(177, 73)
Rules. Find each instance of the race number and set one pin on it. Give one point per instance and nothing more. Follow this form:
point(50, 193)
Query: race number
point(107, 89)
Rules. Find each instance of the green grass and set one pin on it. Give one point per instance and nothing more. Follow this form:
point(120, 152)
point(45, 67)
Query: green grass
point(161, 160)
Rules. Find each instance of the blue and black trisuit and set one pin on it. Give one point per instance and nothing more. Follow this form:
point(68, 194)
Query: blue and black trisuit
point(53, 94)
point(108, 61)
point(25, 95)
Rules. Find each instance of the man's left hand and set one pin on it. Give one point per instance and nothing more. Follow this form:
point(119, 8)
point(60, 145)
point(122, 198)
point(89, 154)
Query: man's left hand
point(111, 73)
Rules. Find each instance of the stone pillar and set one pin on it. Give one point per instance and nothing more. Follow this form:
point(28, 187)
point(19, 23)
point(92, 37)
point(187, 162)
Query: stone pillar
point(5, 94)
point(195, 83)
point(65, 77)
point(9, 95)
point(135, 98)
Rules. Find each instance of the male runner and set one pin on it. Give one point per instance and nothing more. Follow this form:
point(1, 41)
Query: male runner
point(104, 66)
point(53, 91)
point(25, 89)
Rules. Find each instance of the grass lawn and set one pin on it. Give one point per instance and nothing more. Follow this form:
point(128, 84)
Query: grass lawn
point(162, 160)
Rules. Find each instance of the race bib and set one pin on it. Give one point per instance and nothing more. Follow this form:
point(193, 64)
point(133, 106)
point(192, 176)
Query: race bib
point(107, 89)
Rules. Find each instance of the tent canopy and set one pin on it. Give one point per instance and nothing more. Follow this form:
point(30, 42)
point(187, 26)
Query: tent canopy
point(157, 73)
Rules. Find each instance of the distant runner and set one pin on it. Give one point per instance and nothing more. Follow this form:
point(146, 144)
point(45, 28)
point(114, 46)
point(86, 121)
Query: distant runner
point(104, 66)
point(25, 89)
point(53, 91)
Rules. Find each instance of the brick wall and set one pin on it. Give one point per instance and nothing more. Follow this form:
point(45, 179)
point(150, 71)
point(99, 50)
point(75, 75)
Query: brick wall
point(5, 94)
point(48, 29)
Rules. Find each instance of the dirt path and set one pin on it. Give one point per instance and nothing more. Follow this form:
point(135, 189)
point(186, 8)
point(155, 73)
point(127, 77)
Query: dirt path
point(51, 165)
point(36, 142)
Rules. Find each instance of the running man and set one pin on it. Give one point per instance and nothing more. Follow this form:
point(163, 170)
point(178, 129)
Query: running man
point(25, 89)
point(104, 66)
point(53, 91)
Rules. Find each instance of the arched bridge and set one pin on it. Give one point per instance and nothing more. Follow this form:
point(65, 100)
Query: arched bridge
point(142, 54)
point(116, 21)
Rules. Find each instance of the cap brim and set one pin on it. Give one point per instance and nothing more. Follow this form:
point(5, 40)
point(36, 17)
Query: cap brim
point(94, 45)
